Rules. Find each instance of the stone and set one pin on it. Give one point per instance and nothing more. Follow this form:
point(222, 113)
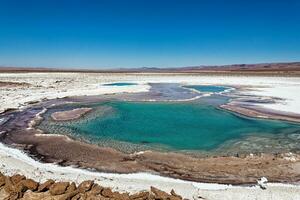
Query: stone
point(15, 179)
point(29, 195)
point(85, 186)
point(96, 189)
point(69, 195)
point(173, 193)
point(45, 186)
point(95, 198)
point(77, 197)
point(119, 196)
point(158, 194)
point(9, 187)
point(106, 192)
point(58, 188)
point(140, 196)
point(2, 180)
point(20, 188)
point(13, 196)
point(29, 184)
point(72, 187)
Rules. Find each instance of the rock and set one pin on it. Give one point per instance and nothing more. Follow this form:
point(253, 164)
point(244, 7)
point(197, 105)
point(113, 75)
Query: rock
point(13, 196)
point(173, 193)
point(96, 190)
point(95, 198)
point(45, 186)
point(163, 195)
point(58, 188)
point(119, 196)
point(2, 180)
point(85, 186)
point(15, 179)
point(69, 196)
point(9, 187)
point(140, 196)
point(24, 185)
point(20, 188)
point(29, 184)
point(77, 197)
point(158, 193)
point(106, 192)
point(72, 187)
point(29, 195)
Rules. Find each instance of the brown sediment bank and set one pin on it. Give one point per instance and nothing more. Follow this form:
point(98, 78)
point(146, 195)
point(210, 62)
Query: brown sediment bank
point(257, 112)
point(9, 84)
point(239, 169)
point(70, 114)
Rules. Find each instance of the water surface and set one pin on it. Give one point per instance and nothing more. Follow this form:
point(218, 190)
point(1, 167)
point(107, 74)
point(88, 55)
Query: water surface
point(208, 88)
point(192, 126)
point(119, 84)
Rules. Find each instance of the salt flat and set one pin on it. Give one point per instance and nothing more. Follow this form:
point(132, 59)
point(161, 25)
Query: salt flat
point(58, 85)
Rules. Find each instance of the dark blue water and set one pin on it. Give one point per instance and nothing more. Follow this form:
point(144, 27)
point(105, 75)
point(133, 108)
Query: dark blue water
point(119, 84)
point(208, 88)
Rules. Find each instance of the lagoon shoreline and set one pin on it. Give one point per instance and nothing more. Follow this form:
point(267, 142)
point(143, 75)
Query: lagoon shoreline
point(235, 170)
point(65, 151)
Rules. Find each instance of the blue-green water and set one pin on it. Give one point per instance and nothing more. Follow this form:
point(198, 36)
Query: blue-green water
point(208, 88)
point(179, 126)
point(119, 84)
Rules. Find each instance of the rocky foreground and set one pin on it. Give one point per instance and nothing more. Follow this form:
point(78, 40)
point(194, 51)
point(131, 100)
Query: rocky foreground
point(19, 187)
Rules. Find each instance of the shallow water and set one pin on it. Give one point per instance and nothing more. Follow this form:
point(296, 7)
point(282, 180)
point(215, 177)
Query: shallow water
point(208, 88)
point(119, 84)
point(189, 126)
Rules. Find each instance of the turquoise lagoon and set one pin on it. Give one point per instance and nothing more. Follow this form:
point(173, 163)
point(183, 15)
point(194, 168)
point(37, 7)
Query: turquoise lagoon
point(189, 126)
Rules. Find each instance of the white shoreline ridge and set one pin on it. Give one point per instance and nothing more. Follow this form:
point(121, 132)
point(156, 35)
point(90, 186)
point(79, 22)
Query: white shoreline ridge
point(15, 161)
point(59, 85)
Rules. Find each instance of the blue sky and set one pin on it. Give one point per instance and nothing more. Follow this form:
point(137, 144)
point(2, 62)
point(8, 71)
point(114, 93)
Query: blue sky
point(153, 33)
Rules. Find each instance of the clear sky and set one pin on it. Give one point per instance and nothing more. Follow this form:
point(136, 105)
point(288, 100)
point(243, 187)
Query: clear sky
point(153, 33)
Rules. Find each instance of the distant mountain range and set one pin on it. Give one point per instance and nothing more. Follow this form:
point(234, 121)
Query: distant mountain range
point(291, 67)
